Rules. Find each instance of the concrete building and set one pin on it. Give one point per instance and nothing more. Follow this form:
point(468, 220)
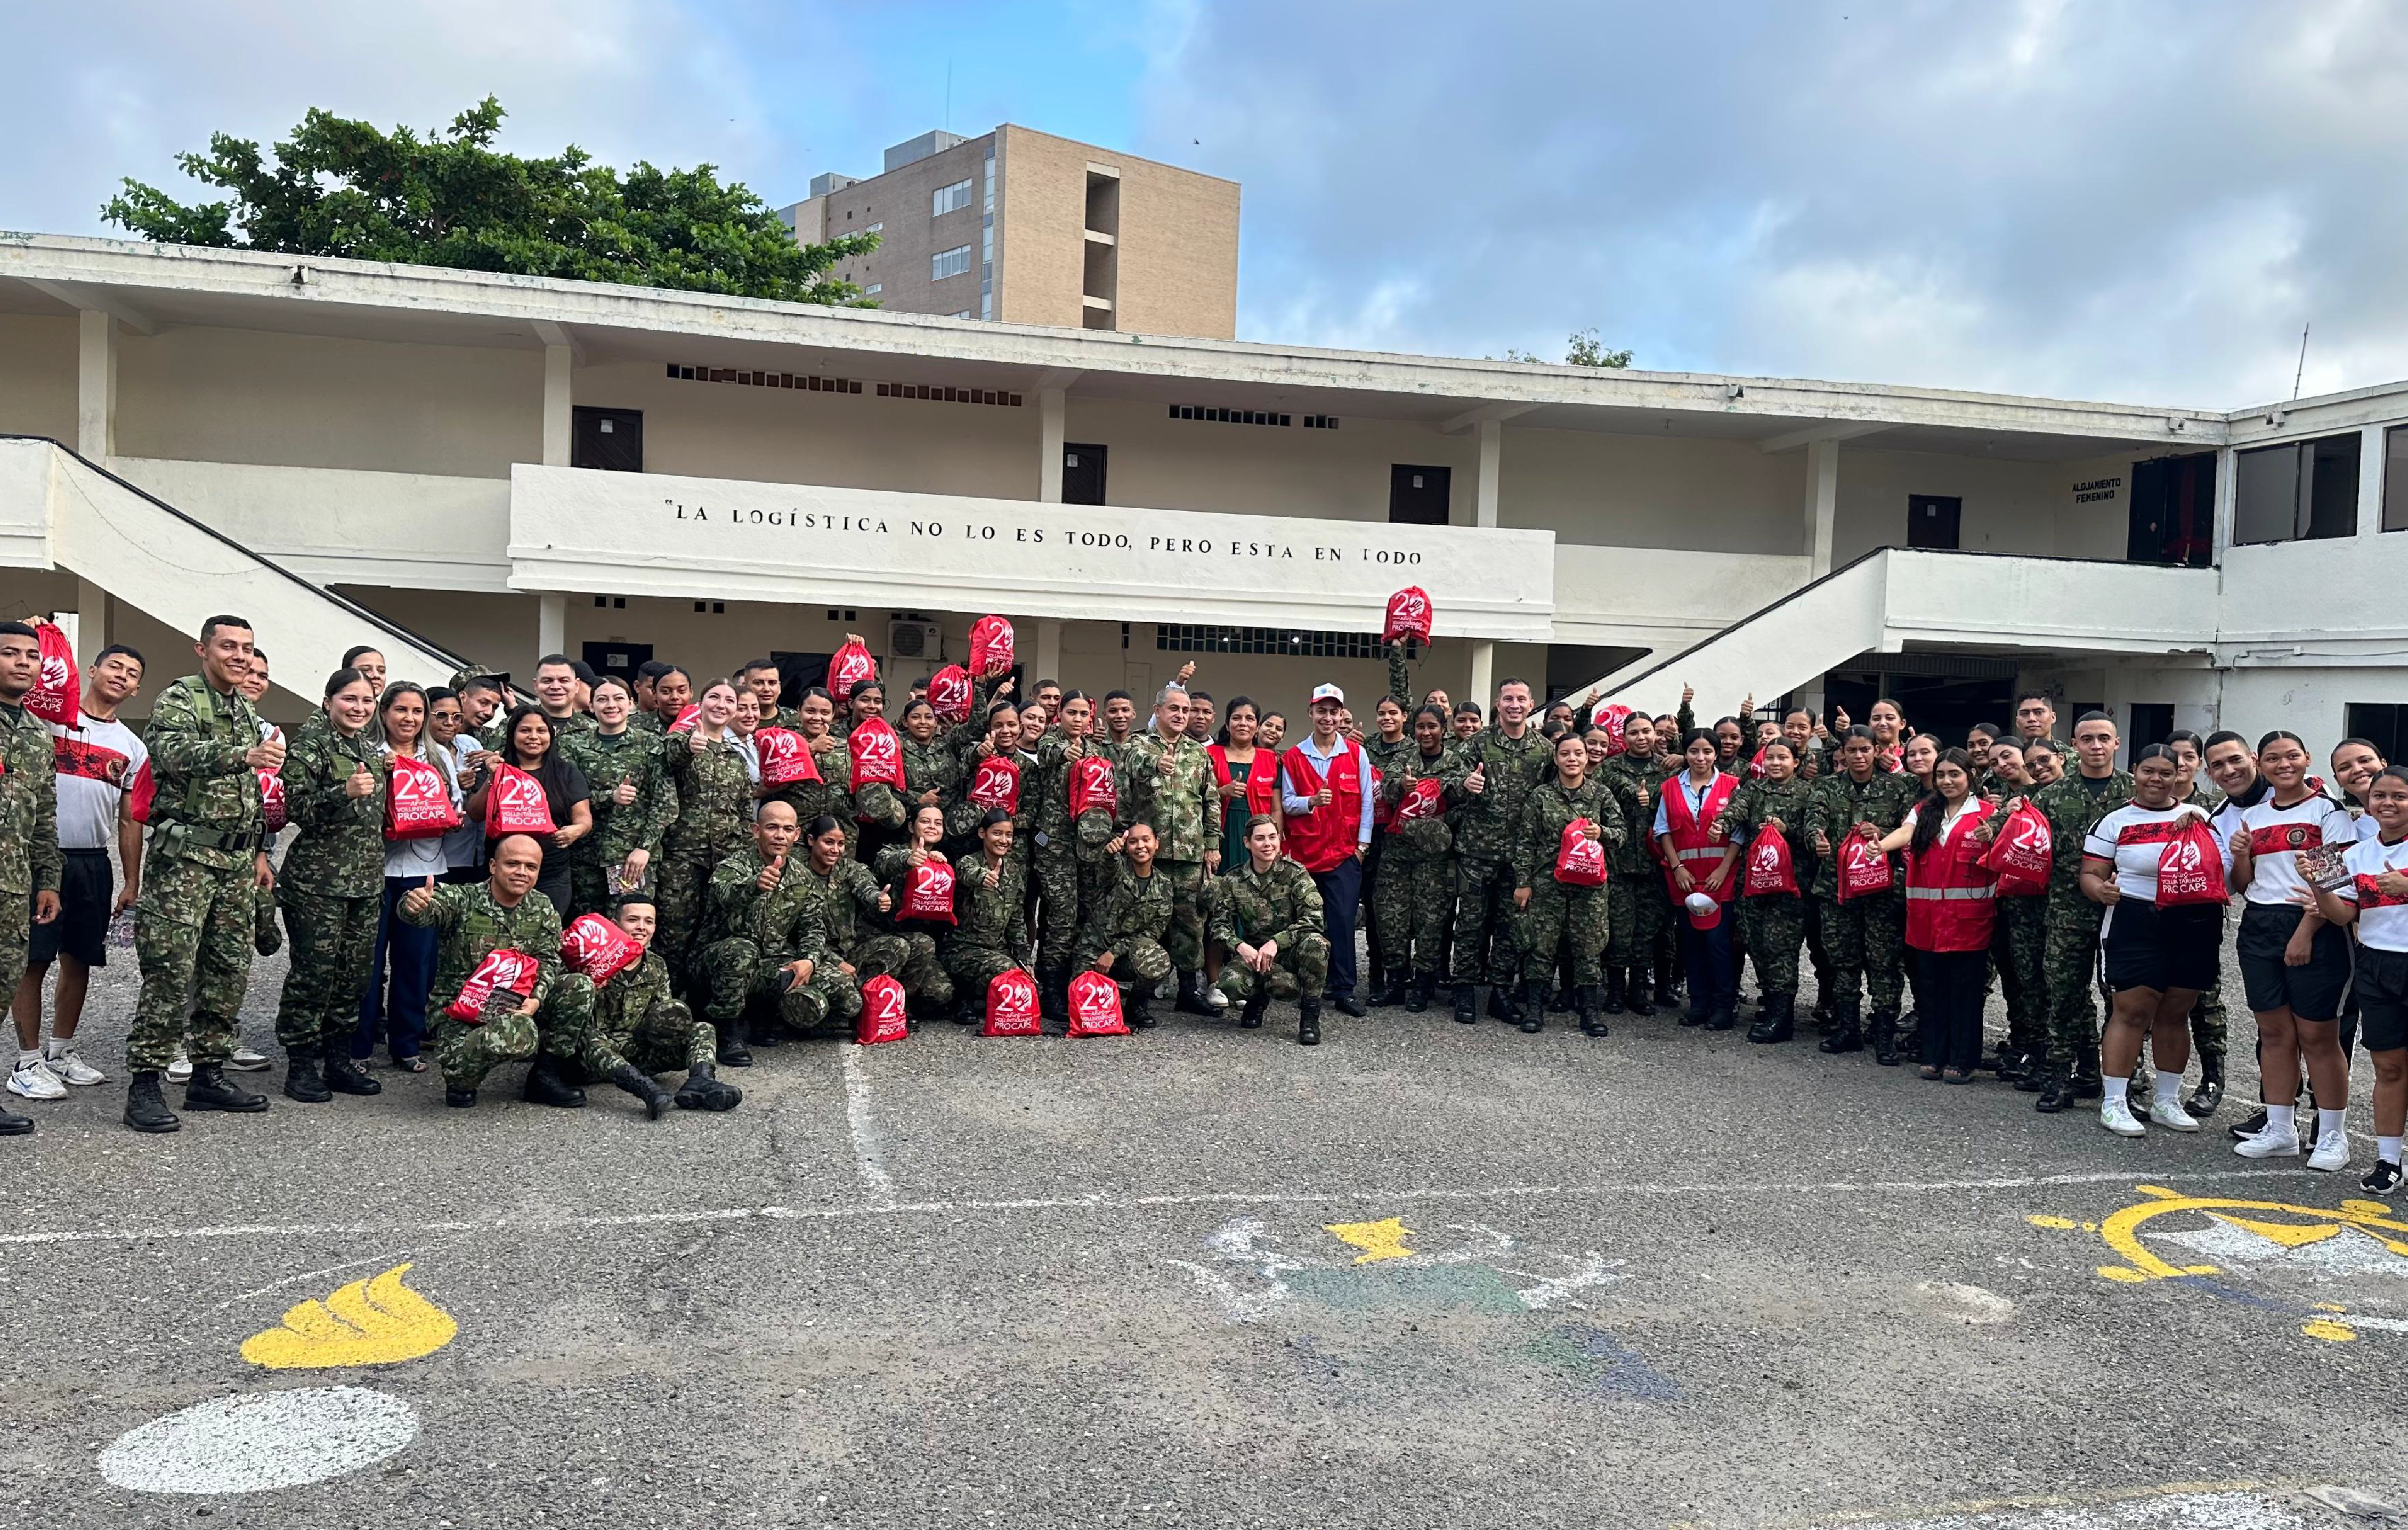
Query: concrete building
point(1026, 228)
point(500, 466)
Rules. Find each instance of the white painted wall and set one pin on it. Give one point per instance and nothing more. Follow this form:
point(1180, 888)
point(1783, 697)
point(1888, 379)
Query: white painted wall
point(417, 530)
point(1200, 464)
point(1654, 492)
point(37, 377)
point(2008, 507)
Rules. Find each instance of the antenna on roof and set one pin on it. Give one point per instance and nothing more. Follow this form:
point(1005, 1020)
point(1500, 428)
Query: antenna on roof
point(2304, 364)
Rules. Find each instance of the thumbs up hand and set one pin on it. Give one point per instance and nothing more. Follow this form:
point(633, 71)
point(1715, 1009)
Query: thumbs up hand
point(771, 875)
point(625, 795)
point(418, 899)
point(361, 782)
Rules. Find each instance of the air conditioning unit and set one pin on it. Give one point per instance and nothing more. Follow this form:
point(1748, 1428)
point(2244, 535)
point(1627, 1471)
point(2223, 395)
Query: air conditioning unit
point(914, 639)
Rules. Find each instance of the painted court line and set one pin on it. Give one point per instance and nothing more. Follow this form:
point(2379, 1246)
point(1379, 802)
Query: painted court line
point(864, 1130)
point(1335, 1195)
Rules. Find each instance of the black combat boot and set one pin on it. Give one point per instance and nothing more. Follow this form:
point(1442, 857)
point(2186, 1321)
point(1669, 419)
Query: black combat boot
point(1844, 1034)
point(1501, 1006)
point(1534, 1006)
point(15, 1125)
point(459, 1097)
point(1822, 1008)
point(1590, 1023)
point(1387, 987)
point(1885, 1039)
point(211, 1090)
point(1777, 1022)
point(1417, 994)
point(545, 1086)
point(1613, 989)
point(1137, 1008)
point(1638, 999)
point(644, 1087)
point(1466, 1011)
point(702, 1091)
point(1251, 1016)
point(145, 1112)
point(1053, 1000)
point(1668, 980)
point(345, 1077)
point(2055, 1091)
point(2034, 1077)
point(2210, 1093)
point(1191, 995)
point(302, 1079)
point(2085, 1077)
point(732, 1049)
point(1308, 1020)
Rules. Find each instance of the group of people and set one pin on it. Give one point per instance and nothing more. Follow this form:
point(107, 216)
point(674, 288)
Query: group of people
point(745, 862)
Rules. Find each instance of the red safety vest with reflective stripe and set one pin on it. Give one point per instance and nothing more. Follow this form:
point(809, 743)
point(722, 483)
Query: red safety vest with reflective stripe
point(1328, 834)
point(1949, 893)
point(1692, 845)
point(1262, 782)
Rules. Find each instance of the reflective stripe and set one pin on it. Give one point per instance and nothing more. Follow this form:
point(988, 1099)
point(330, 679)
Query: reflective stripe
point(1950, 895)
point(1702, 853)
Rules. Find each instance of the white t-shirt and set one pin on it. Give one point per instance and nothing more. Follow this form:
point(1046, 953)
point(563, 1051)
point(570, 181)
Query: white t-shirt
point(2381, 926)
point(2276, 836)
point(2365, 824)
point(97, 763)
point(1948, 821)
point(465, 845)
point(2134, 838)
point(423, 857)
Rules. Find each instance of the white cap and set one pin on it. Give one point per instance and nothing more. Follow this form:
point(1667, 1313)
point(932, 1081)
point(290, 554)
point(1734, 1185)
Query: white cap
point(1700, 904)
point(1325, 692)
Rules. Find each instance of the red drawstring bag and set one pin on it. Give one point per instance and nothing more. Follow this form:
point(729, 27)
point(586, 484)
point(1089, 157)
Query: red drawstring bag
point(928, 892)
point(2190, 869)
point(1769, 870)
point(1408, 615)
point(1612, 718)
point(1580, 860)
point(877, 754)
point(419, 805)
point(1424, 798)
point(1092, 788)
point(142, 795)
point(514, 804)
point(686, 718)
point(597, 947)
point(500, 985)
point(1095, 1005)
point(1381, 808)
point(1011, 1005)
point(990, 647)
point(948, 694)
point(785, 757)
point(1863, 868)
point(884, 1013)
point(2021, 853)
point(271, 799)
point(1755, 766)
point(56, 693)
point(851, 665)
point(996, 783)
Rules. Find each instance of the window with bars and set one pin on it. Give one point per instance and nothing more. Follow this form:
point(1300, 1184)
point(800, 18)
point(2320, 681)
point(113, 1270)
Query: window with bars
point(1302, 645)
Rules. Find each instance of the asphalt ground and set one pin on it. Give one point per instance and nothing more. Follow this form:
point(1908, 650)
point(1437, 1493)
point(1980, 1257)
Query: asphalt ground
point(1424, 1274)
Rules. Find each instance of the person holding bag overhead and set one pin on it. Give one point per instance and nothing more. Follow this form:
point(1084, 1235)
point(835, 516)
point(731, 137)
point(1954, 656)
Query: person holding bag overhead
point(1950, 909)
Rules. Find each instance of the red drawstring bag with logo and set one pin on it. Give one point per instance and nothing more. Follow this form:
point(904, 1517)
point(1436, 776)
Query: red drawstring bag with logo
point(2021, 853)
point(885, 1013)
point(514, 804)
point(597, 947)
point(1769, 870)
point(2190, 869)
point(1408, 615)
point(1424, 798)
point(419, 805)
point(56, 695)
point(1612, 718)
point(271, 799)
point(948, 694)
point(1863, 868)
point(500, 985)
point(877, 754)
point(1011, 1005)
point(686, 718)
point(785, 757)
point(928, 892)
point(1755, 766)
point(1092, 787)
point(850, 667)
point(1095, 1005)
point(994, 783)
point(1580, 860)
point(990, 647)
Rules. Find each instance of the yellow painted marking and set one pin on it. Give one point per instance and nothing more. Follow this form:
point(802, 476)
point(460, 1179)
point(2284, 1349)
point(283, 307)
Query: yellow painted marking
point(2327, 1329)
point(2117, 1272)
point(2121, 1231)
point(1382, 1240)
point(2066, 1222)
point(2290, 1235)
point(376, 1321)
point(2328, 1307)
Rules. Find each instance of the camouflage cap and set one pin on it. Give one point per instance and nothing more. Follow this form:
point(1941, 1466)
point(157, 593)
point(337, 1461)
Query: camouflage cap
point(460, 678)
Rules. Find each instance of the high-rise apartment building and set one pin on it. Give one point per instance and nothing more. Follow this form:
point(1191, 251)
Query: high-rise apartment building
point(1032, 229)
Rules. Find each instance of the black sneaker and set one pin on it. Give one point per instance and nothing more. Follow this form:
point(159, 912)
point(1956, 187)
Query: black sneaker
point(2382, 1180)
point(2248, 1128)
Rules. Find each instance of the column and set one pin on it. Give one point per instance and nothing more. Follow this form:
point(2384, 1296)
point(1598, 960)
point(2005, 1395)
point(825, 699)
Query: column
point(551, 626)
point(1492, 452)
point(559, 397)
point(1051, 413)
point(2227, 498)
point(92, 623)
point(1822, 504)
point(1046, 660)
point(1483, 688)
point(2371, 443)
point(97, 385)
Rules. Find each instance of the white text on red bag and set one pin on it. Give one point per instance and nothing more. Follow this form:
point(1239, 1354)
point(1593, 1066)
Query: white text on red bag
point(996, 783)
point(928, 892)
point(502, 982)
point(990, 647)
point(271, 800)
point(1611, 718)
point(851, 666)
point(877, 754)
point(1408, 615)
point(948, 694)
point(597, 947)
point(1095, 1005)
point(1426, 797)
point(514, 804)
point(687, 718)
point(1863, 868)
point(1769, 870)
point(785, 757)
point(1011, 1005)
point(1093, 790)
point(418, 805)
point(2190, 869)
point(56, 695)
point(1580, 860)
point(2021, 853)
point(886, 1012)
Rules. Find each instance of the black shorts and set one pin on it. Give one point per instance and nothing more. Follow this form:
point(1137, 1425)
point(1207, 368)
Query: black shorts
point(2312, 992)
point(2164, 949)
point(2383, 998)
point(87, 887)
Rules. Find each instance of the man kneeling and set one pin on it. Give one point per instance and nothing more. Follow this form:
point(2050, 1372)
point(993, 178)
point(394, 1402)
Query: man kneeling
point(503, 914)
point(639, 1031)
point(769, 940)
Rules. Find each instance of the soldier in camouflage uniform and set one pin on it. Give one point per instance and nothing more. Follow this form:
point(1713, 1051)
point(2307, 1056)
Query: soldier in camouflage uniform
point(1556, 915)
point(932, 761)
point(1638, 907)
point(1780, 803)
point(2069, 960)
point(1065, 853)
point(1866, 936)
point(1167, 781)
point(193, 929)
point(924, 841)
point(635, 800)
point(714, 795)
point(31, 862)
point(1387, 747)
point(1268, 911)
point(332, 890)
point(504, 913)
point(1415, 890)
point(846, 891)
point(639, 1031)
point(831, 796)
point(991, 912)
point(1122, 935)
point(1493, 772)
point(769, 939)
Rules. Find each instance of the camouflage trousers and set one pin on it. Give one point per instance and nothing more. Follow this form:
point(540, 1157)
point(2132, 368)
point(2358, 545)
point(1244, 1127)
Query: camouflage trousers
point(908, 957)
point(2207, 1022)
point(560, 1029)
point(1137, 960)
point(1300, 969)
point(1866, 939)
point(266, 937)
point(1185, 937)
point(589, 887)
point(1775, 924)
point(679, 880)
point(1059, 909)
point(2018, 941)
point(16, 938)
point(1569, 922)
point(733, 977)
point(1411, 900)
point(2070, 978)
point(667, 1041)
point(1638, 912)
point(1484, 920)
point(192, 937)
point(972, 968)
point(334, 956)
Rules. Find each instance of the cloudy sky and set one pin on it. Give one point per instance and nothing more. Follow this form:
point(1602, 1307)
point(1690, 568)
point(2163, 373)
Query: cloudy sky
point(2143, 199)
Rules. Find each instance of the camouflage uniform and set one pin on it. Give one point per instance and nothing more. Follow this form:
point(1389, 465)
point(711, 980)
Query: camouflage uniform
point(847, 892)
point(1638, 909)
point(1559, 915)
point(831, 794)
point(637, 1022)
point(714, 795)
point(1775, 922)
point(1258, 908)
point(1065, 855)
point(607, 758)
point(2069, 962)
point(30, 859)
point(1484, 848)
point(991, 937)
point(331, 887)
point(1415, 889)
point(2018, 942)
point(474, 926)
point(575, 726)
point(1129, 922)
point(1184, 806)
point(1865, 936)
point(929, 985)
point(933, 767)
point(193, 928)
point(754, 935)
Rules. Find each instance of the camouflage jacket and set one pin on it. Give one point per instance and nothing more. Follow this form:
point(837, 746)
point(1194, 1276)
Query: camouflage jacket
point(197, 738)
point(1486, 828)
point(714, 794)
point(1549, 811)
point(785, 923)
point(1180, 803)
point(994, 917)
point(623, 1003)
point(607, 758)
point(1086, 838)
point(845, 894)
point(1400, 682)
point(933, 767)
point(339, 853)
point(1254, 906)
point(831, 794)
point(30, 859)
point(1837, 804)
point(1133, 908)
point(2072, 812)
point(1423, 839)
point(1633, 783)
point(474, 926)
point(575, 726)
point(1790, 801)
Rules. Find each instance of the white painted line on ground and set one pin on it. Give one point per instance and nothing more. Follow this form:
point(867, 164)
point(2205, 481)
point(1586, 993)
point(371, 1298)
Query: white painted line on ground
point(1341, 1196)
point(864, 1130)
point(307, 1275)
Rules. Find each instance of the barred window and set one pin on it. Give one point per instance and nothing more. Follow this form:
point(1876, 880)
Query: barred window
point(1302, 645)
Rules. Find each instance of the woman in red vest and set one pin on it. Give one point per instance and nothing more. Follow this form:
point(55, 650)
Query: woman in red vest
point(1949, 913)
point(1698, 861)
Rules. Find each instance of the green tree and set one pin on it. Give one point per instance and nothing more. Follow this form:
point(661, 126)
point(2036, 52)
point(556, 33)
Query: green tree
point(344, 188)
point(1581, 349)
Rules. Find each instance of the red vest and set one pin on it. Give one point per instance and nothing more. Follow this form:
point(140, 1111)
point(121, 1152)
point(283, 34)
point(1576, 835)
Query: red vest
point(1700, 851)
point(1950, 896)
point(1262, 782)
point(1328, 834)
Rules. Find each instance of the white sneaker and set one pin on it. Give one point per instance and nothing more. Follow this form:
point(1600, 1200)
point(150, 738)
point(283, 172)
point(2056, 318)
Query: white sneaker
point(2171, 1116)
point(180, 1070)
point(2333, 1152)
point(2117, 1116)
point(2270, 1143)
point(37, 1082)
point(247, 1060)
point(71, 1068)
point(1214, 998)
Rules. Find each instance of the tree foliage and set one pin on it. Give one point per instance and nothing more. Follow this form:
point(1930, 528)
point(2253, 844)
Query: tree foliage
point(344, 188)
point(1581, 349)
